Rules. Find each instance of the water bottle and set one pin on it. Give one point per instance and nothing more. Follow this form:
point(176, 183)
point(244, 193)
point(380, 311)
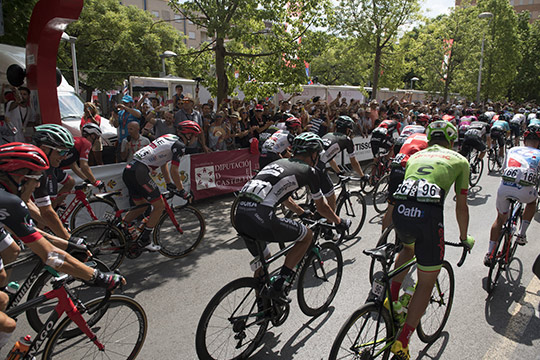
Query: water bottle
point(12, 288)
point(399, 315)
point(406, 297)
point(20, 348)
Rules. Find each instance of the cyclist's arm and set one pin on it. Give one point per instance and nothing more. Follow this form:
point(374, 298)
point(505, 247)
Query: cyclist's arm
point(335, 166)
point(325, 210)
point(52, 221)
point(356, 166)
point(55, 240)
point(86, 171)
point(175, 175)
point(165, 173)
point(78, 171)
point(462, 215)
point(294, 207)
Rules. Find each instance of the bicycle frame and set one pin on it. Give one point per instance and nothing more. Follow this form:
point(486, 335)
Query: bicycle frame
point(509, 226)
point(80, 196)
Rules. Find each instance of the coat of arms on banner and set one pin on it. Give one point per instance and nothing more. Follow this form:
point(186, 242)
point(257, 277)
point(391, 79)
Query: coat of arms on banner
point(205, 177)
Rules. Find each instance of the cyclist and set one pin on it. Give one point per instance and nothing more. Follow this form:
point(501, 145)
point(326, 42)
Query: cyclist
point(418, 218)
point(143, 190)
point(21, 167)
point(79, 153)
point(423, 120)
point(413, 143)
point(475, 137)
point(490, 113)
point(273, 185)
point(517, 123)
point(55, 141)
point(382, 137)
point(464, 123)
point(276, 146)
point(518, 181)
point(405, 133)
point(500, 130)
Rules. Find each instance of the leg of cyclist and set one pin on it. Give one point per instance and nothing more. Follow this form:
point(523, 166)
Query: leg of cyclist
point(157, 209)
point(7, 324)
point(528, 213)
point(9, 251)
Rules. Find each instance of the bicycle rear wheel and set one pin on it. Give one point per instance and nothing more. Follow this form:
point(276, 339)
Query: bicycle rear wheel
point(231, 326)
point(319, 279)
point(440, 304)
point(492, 160)
point(101, 208)
point(380, 195)
point(120, 325)
point(234, 206)
point(367, 334)
point(105, 241)
point(175, 244)
point(497, 262)
point(372, 171)
point(352, 206)
point(477, 167)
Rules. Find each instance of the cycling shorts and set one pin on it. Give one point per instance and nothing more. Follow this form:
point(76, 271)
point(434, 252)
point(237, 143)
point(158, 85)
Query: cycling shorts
point(472, 142)
point(139, 183)
point(267, 158)
point(507, 191)
point(421, 224)
point(498, 135)
point(514, 129)
point(261, 223)
point(380, 142)
point(397, 174)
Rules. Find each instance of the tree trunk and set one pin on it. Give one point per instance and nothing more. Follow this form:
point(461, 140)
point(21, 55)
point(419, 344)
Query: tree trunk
point(221, 73)
point(376, 69)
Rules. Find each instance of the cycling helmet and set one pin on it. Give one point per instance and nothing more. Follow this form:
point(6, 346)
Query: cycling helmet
point(16, 155)
point(189, 127)
point(91, 128)
point(483, 118)
point(442, 129)
point(293, 123)
point(422, 119)
point(532, 132)
point(469, 111)
point(521, 110)
point(343, 123)
point(436, 117)
point(53, 135)
point(396, 116)
point(307, 142)
point(170, 137)
point(490, 108)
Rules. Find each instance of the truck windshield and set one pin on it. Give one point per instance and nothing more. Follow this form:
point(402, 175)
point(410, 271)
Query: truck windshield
point(70, 105)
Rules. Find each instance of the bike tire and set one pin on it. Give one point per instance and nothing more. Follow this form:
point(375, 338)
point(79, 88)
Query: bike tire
point(380, 195)
point(121, 326)
point(101, 208)
point(497, 262)
point(227, 316)
point(475, 176)
point(352, 206)
point(174, 244)
point(105, 241)
point(369, 185)
point(492, 160)
point(367, 334)
point(37, 316)
point(319, 279)
point(234, 206)
point(440, 304)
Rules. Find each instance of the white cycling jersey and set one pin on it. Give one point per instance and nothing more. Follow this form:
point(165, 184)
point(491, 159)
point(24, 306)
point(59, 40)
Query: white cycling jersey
point(160, 151)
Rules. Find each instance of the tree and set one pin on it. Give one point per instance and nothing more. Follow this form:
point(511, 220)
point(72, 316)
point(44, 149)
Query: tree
point(255, 43)
point(375, 23)
point(16, 20)
point(525, 85)
point(115, 41)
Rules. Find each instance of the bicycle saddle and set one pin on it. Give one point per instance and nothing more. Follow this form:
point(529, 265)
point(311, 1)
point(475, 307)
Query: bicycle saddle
point(382, 252)
point(107, 195)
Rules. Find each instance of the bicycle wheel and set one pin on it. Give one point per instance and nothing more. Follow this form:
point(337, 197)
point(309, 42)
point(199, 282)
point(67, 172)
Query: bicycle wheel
point(367, 334)
point(497, 262)
point(369, 185)
point(380, 195)
point(85, 292)
point(105, 240)
point(175, 244)
point(352, 206)
point(233, 210)
point(438, 310)
point(319, 279)
point(231, 326)
point(476, 171)
point(100, 207)
point(121, 326)
point(492, 160)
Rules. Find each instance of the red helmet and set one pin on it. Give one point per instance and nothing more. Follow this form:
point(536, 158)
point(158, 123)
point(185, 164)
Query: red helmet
point(189, 127)
point(423, 119)
point(293, 123)
point(16, 155)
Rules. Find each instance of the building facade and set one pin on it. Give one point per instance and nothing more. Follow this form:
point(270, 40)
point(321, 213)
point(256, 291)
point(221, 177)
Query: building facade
point(533, 6)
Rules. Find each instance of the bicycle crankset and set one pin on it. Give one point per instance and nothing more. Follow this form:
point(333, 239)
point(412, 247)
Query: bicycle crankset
point(280, 312)
point(134, 251)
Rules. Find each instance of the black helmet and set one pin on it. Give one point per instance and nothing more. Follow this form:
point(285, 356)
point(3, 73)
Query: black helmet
point(307, 142)
point(532, 132)
point(343, 123)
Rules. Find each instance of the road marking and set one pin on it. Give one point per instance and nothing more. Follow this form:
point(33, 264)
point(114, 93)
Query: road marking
point(519, 320)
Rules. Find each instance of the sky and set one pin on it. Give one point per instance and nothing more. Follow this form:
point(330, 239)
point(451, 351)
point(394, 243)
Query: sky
point(432, 8)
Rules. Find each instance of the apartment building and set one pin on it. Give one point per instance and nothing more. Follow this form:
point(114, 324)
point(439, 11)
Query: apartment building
point(161, 10)
point(533, 6)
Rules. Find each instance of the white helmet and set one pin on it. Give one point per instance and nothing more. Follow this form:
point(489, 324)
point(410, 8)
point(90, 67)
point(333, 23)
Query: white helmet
point(91, 128)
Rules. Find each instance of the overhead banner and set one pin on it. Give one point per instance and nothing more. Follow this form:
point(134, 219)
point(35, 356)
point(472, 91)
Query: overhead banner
point(221, 172)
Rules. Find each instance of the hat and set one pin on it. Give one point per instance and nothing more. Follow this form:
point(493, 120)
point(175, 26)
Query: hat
point(127, 99)
point(235, 114)
point(187, 97)
point(259, 107)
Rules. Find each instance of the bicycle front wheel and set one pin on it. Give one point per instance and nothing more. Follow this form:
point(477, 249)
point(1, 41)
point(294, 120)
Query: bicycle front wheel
point(497, 262)
point(100, 207)
point(319, 279)
point(493, 164)
point(105, 240)
point(233, 323)
point(367, 334)
point(438, 310)
point(120, 326)
point(380, 195)
point(174, 242)
point(233, 210)
point(352, 206)
point(369, 185)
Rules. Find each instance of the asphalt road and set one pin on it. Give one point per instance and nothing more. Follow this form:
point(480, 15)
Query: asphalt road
point(174, 293)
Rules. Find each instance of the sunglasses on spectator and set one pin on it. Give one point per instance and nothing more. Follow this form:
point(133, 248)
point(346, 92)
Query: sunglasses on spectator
point(61, 152)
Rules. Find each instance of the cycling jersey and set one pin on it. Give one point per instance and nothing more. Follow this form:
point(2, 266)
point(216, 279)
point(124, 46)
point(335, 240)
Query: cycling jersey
point(160, 151)
point(266, 134)
point(14, 214)
point(501, 125)
point(490, 114)
point(407, 131)
point(382, 136)
point(498, 132)
point(48, 186)
point(534, 121)
point(278, 142)
point(391, 126)
point(477, 128)
point(518, 119)
point(334, 143)
point(79, 151)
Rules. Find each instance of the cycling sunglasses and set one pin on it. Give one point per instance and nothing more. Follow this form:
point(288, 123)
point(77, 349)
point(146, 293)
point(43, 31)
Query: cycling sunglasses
point(61, 152)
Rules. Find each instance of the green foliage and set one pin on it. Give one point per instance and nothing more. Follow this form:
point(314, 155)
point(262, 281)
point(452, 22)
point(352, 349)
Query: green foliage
point(16, 19)
point(526, 83)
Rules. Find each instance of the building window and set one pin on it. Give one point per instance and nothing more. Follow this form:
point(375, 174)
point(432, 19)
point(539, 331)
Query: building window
point(192, 35)
point(531, 2)
point(512, 2)
point(178, 17)
point(155, 13)
point(203, 36)
point(165, 15)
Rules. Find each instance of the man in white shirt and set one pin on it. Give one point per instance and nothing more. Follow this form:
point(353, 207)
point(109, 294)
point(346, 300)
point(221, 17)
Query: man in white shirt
point(19, 114)
point(133, 142)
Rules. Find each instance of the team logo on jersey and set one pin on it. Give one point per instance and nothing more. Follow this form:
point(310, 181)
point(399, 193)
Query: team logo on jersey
point(410, 211)
point(4, 214)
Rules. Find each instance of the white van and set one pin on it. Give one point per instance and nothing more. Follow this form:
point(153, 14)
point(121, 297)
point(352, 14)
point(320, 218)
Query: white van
point(71, 105)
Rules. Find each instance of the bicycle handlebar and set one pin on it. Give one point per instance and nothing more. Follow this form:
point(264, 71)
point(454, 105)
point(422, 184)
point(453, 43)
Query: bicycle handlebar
point(466, 250)
point(346, 179)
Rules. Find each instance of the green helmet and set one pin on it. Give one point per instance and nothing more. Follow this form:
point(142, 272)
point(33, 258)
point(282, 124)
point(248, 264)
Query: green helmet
point(307, 142)
point(440, 129)
point(53, 135)
point(343, 123)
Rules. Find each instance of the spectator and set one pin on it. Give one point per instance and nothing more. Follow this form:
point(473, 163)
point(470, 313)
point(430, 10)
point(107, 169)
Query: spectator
point(162, 126)
point(317, 124)
point(123, 114)
point(217, 134)
point(244, 129)
point(91, 116)
point(189, 113)
point(178, 97)
point(133, 142)
point(258, 124)
point(19, 115)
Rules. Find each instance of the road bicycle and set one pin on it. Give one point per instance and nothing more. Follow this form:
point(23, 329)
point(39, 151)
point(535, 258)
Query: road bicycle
point(112, 326)
point(376, 170)
point(235, 320)
point(179, 231)
point(495, 162)
point(502, 256)
point(372, 329)
point(380, 194)
point(476, 167)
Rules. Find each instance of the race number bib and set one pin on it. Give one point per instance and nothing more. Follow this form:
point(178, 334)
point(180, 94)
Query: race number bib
point(398, 159)
point(256, 189)
point(528, 177)
point(419, 190)
point(521, 176)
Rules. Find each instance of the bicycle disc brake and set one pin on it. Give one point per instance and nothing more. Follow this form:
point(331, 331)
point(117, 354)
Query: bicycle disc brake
point(280, 312)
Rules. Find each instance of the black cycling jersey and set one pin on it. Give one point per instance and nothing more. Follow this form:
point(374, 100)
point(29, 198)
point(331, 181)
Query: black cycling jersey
point(15, 215)
point(48, 186)
point(334, 143)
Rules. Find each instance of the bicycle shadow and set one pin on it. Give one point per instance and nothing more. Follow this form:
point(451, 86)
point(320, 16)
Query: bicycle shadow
point(474, 198)
point(438, 345)
point(295, 342)
point(377, 219)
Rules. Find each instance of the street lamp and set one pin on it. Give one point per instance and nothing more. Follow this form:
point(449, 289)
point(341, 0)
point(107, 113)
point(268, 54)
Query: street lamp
point(484, 15)
point(415, 79)
point(166, 54)
point(71, 40)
